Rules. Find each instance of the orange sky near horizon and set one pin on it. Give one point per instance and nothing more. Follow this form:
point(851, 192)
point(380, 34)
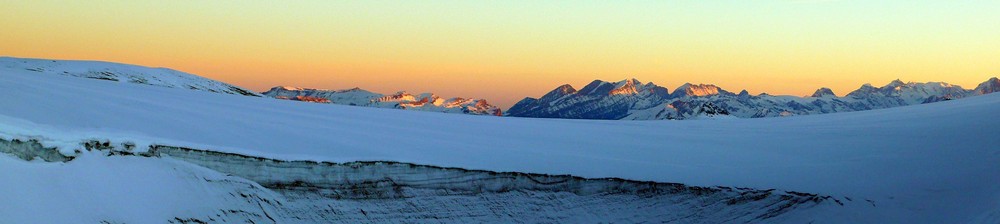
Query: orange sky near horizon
point(506, 50)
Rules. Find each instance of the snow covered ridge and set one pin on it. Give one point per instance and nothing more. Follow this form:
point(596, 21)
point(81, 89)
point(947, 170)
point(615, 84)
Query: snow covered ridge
point(633, 100)
point(399, 100)
point(268, 191)
point(124, 73)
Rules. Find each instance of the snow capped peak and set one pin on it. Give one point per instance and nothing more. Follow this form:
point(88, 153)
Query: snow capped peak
point(821, 92)
point(689, 89)
point(400, 96)
point(312, 90)
point(625, 87)
point(895, 83)
point(593, 102)
point(990, 86)
point(627, 82)
point(399, 100)
point(909, 93)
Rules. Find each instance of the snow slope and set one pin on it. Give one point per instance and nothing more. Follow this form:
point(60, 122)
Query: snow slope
point(95, 189)
point(107, 184)
point(116, 72)
point(933, 163)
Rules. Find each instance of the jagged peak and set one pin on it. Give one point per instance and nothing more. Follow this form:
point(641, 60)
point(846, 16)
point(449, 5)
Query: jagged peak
point(821, 92)
point(626, 87)
point(896, 83)
point(288, 88)
point(627, 82)
point(293, 88)
point(899, 83)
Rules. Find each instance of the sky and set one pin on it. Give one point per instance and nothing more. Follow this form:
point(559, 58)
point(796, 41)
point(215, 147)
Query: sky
point(504, 51)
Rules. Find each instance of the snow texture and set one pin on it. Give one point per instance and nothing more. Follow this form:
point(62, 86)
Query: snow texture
point(928, 163)
point(116, 72)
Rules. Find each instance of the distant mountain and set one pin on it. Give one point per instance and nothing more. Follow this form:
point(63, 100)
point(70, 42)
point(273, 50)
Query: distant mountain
point(399, 100)
point(632, 100)
point(597, 100)
point(124, 73)
point(990, 86)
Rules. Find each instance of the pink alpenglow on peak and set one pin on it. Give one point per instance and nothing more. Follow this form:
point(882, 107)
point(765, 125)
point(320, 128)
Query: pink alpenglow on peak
point(399, 100)
point(689, 89)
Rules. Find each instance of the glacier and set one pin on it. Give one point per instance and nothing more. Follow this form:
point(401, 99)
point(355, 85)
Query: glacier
point(89, 150)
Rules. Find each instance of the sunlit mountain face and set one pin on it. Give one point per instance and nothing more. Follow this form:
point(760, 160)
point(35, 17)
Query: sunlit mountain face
point(398, 100)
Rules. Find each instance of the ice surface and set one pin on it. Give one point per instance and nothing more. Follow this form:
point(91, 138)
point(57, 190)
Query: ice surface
point(925, 163)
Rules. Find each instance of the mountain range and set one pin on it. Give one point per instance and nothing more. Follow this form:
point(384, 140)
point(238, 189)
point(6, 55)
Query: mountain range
point(398, 100)
point(633, 100)
point(623, 100)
